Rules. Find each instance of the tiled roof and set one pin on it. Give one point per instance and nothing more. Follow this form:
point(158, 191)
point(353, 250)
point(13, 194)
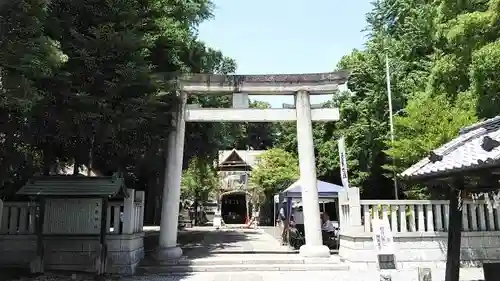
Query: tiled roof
point(476, 146)
point(249, 156)
point(74, 186)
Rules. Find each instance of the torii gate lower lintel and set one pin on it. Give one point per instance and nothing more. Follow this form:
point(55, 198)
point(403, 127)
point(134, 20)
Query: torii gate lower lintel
point(240, 86)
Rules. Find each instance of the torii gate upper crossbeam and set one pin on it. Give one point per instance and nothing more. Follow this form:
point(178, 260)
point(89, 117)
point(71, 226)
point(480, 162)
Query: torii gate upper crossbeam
point(282, 84)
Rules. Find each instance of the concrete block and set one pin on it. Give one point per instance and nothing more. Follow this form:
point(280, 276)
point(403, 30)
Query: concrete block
point(74, 253)
point(8, 244)
point(472, 254)
point(69, 258)
point(122, 269)
point(433, 255)
point(114, 245)
point(71, 245)
point(424, 274)
point(492, 253)
point(131, 244)
point(126, 258)
point(367, 245)
point(22, 258)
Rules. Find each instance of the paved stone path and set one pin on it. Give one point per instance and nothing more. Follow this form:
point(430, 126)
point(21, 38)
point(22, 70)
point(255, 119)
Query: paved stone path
point(235, 240)
point(257, 276)
point(200, 242)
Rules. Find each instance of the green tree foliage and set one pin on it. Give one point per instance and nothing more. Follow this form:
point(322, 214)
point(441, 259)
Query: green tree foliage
point(89, 82)
point(275, 168)
point(199, 180)
point(444, 63)
point(425, 127)
point(258, 136)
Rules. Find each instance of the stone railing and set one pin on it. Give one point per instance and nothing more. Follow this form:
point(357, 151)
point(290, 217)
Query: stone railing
point(18, 218)
point(124, 217)
point(420, 231)
point(428, 215)
point(414, 215)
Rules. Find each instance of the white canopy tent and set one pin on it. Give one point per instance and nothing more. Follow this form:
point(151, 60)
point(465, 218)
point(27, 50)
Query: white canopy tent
point(327, 193)
point(325, 190)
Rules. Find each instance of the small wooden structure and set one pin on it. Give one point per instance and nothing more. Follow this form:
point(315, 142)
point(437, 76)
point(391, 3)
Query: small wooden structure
point(467, 165)
point(71, 206)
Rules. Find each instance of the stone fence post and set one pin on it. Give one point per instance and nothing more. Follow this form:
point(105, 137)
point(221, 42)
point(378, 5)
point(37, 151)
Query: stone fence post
point(128, 212)
point(354, 210)
point(343, 213)
point(140, 196)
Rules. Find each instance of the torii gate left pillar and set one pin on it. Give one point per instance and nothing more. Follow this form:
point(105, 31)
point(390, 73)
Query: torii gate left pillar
point(299, 85)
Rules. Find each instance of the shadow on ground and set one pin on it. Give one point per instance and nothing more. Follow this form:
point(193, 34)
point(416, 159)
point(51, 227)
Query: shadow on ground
point(196, 243)
point(23, 274)
point(205, 242)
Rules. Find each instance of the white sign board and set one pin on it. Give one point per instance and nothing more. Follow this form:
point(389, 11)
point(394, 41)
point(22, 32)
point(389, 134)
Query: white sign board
point(276, 198)
point(343, 163)
point(382, 236)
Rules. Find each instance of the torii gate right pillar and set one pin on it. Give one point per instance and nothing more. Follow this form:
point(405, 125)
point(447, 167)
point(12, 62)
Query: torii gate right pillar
point(314, 241)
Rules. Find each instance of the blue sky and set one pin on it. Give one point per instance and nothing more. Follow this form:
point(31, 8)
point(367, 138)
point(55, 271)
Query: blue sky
point(286, 36)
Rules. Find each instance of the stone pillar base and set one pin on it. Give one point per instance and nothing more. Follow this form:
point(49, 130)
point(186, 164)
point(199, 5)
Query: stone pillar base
point(310, 251)
point(171, 253)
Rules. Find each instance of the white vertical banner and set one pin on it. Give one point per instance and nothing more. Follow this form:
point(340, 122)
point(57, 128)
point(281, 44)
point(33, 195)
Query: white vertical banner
point(343, 162)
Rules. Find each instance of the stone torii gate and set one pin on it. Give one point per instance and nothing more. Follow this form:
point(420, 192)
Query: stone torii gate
point(240, 86)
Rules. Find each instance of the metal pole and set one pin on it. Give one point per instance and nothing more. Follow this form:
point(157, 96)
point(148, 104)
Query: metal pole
point(389, 97)
point(274, 212)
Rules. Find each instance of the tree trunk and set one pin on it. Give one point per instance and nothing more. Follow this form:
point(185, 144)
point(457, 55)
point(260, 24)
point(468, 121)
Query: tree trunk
point(90, 155)
point(196, 211)
point(76, 165)
point(153, 199)
point(47, 161)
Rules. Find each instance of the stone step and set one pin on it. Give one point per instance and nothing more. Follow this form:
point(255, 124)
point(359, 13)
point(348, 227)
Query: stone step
point(240, 262)
point(182, 269)
point(235, 259)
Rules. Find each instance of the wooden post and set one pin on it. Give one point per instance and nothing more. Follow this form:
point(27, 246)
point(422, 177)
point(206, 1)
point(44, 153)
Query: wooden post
point(103, 247)
point(36, 265)
point(454, 232)
point(1, 212)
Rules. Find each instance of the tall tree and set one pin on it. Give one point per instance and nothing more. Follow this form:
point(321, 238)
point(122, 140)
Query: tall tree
point(258, 136)
point(89, 82)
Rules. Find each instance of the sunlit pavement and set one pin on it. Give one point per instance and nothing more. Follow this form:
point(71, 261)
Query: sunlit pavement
point(207, 245)
point(469, 275)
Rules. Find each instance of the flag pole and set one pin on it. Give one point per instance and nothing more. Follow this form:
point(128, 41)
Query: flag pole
point(391, 124)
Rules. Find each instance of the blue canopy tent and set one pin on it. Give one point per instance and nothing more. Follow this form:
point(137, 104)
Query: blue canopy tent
point(325, 190)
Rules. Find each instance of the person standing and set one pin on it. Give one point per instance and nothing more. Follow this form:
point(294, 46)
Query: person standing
point(283, 217)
